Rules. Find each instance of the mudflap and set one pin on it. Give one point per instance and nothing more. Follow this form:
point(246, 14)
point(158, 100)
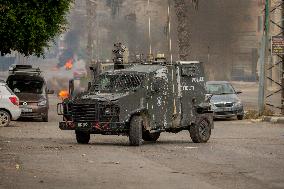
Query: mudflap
point(67, 125)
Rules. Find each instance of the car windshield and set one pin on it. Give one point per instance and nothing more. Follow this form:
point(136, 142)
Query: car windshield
point(26, 86)
point(117, 82)
point(218, 89)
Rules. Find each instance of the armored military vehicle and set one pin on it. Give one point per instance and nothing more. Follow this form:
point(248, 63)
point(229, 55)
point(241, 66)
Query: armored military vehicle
point(141, 101)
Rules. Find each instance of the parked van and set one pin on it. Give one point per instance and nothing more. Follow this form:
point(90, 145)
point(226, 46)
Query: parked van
point(30, 86)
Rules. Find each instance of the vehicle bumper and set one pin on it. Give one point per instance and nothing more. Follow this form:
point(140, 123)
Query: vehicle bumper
point(98, 127)
point(228, 113)
point(15, 113)
point(36, 111)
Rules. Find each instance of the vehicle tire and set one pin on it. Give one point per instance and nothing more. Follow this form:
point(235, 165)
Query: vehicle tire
point(82, 137)
point(240, 117)
point(45, 118)
point(135, 131)
point(200, 132)
point(67, 118)
point(147, 136)
point(5, 118)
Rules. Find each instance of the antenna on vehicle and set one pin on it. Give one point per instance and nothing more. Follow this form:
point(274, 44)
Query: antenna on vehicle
point(149, 29)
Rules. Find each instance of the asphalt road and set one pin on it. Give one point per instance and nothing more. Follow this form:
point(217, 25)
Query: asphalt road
point(240, 154)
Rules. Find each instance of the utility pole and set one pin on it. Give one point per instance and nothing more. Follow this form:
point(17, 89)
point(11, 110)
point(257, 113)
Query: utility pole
point(169, 32)
point(274, 15)
point(91, 14)
point(282, 66)
point(264, 53)
point(183, 29)
point(149, 28)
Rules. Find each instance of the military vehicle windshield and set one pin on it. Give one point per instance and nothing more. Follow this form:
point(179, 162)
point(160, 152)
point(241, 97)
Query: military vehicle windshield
point(118, 83)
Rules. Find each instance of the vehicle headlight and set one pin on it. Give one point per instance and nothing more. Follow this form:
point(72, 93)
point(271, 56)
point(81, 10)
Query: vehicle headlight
point(213, 107)
point(238, 103)
point(42, 103)
point(107, 111)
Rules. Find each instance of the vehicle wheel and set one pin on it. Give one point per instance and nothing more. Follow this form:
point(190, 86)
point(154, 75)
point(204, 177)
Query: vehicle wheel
point(45, 118)
point(5, 118)
point(200, 132)
point(82, 137)
point(147, 136)
point(135, 131)
point(240, 117)
point(67, 118)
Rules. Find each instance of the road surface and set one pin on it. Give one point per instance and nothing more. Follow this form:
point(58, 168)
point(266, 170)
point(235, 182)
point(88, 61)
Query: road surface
point(240, 154)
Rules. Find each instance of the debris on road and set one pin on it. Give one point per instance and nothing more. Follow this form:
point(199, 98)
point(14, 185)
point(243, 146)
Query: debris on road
point(191, 147)
point(112, 162)
point(256, 120)
point(17, 166)
point(273, 119)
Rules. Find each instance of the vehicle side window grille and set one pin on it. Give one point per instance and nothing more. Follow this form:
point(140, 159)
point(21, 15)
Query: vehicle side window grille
point(189, 71)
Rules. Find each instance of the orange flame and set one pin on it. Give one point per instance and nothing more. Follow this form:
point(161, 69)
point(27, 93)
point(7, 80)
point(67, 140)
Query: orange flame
point(63, 94)
point(69, 64)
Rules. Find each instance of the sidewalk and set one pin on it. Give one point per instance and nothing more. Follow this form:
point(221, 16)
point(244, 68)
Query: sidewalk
point(274, 119)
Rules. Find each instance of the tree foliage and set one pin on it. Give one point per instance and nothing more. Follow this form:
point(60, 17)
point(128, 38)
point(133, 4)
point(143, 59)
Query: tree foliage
point(27, 26)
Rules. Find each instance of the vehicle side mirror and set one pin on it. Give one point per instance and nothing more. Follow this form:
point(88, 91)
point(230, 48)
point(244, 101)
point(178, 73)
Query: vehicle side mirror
point(89, 85)
point(239, 92)
point(71, 87)
point(208, 97)
point(49, 91)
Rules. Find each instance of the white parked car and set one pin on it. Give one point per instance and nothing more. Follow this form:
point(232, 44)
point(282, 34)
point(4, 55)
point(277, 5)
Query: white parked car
point(9, 105)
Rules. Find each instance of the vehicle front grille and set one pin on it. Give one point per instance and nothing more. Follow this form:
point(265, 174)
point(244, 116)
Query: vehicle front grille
point(85, 112)
point(30, 114)
point(95, 113)
point(224, 105)
point(224, 113)
point(22, 103)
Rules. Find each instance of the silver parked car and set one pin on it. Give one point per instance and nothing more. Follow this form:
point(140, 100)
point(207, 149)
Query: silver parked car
point(225, 102)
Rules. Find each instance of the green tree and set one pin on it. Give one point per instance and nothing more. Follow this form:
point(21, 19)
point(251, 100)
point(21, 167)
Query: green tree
point(27, 26)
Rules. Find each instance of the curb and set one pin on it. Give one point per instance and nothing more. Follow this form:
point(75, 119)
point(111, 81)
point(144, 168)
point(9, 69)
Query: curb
point(272, 119)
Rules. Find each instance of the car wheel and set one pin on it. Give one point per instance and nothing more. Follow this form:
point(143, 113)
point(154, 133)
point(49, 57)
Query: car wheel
point(45, 118)
point(240, 117)
point(135, 131)
point(82, 137)
point(200, 131)
point(147, 136)
point(5, 118)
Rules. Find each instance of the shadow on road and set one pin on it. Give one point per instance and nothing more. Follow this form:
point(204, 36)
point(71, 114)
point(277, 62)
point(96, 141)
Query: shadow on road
point(225, 119)
point(29, 120)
